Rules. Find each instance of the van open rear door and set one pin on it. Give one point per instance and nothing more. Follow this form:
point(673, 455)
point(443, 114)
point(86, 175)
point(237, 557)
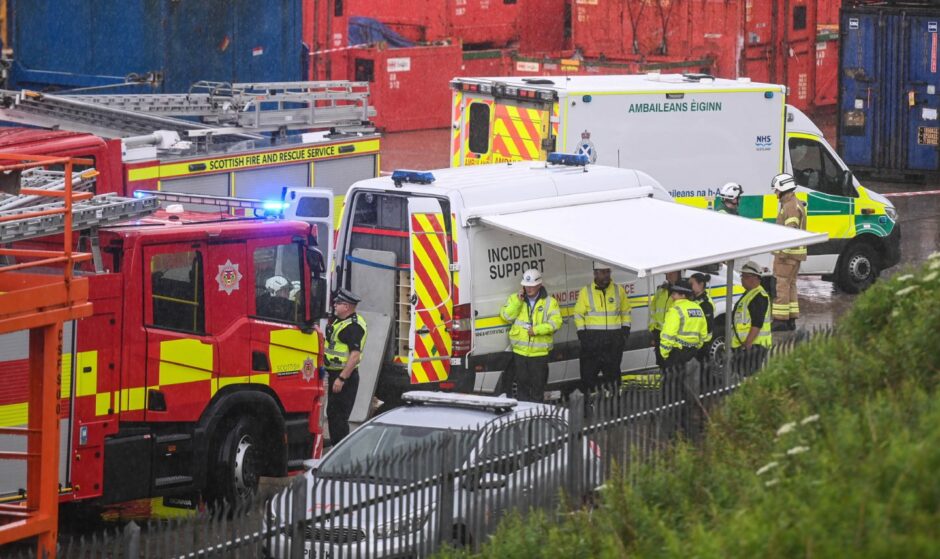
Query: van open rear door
point(495, 123)
point(430, 346)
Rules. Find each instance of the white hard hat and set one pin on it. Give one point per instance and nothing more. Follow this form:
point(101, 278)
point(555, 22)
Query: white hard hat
point(531, 278)
point(783, 183)
point(600, 266)
point(751, 267)
point(730, 191)
point(275, 284)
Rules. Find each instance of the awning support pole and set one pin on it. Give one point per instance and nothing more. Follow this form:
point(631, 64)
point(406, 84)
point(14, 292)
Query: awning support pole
point(729, 307)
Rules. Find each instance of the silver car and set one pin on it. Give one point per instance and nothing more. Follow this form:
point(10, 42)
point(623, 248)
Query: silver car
point(444, 468)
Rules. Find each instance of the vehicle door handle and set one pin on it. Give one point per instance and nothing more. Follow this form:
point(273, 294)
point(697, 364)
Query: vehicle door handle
point(423, 331)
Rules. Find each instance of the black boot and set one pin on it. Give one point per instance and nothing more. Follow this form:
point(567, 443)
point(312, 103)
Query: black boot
point(791, 324)
point(780, 326)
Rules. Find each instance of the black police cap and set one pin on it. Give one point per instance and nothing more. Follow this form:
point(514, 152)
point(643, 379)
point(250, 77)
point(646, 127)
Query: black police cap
point(346, 296)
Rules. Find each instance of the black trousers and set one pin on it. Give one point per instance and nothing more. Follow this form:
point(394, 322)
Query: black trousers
point(655, 336)
point(531, 376)
point(603, 359)
point(339, 406)
point(678, 357)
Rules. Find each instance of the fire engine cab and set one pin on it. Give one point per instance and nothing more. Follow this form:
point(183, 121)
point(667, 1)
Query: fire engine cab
point(198, 371)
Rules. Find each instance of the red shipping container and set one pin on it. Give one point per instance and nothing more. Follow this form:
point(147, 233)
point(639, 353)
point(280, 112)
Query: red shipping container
point(485, 63)
point(619, 29)
point(475, 22)
point(409, 86)
point(827, 67)
point(827, 12)
point(325, 31)
point(542, 28)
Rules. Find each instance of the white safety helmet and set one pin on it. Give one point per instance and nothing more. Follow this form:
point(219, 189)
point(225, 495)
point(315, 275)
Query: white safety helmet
point(531, 278)
point(783, 182)
point(730, 191)
point(752, 267)
point(275, 284)
point(600, 266)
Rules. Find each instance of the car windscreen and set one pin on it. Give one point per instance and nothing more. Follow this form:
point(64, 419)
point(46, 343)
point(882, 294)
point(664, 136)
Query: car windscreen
point(394, 453)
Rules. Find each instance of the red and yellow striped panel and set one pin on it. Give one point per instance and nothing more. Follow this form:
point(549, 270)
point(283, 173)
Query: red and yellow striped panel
point(456, 127)
point(431, 346)
point(517, 133)
point(555, 121)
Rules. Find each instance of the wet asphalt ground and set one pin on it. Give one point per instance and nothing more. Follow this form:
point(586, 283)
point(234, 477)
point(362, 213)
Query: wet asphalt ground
point(821, 304)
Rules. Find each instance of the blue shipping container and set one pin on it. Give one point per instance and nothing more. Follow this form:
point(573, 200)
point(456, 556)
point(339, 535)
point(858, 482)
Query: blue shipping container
point(61, 44)
point(889, 90)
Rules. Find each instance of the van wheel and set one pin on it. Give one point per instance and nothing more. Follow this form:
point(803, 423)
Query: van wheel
point(238, 460)
point(858, 269)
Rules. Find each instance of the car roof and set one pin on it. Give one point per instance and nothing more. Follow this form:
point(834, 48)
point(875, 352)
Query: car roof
point(453, 417)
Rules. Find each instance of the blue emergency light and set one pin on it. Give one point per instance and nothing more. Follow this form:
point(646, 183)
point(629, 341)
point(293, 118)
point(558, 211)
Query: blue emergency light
point(414, 177)
point(274, 205)
point(568, 159)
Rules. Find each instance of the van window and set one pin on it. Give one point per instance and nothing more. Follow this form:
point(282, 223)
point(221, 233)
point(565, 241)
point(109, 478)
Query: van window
point(479, 128)
point(279, 292)
point(815, 168)
point(178, 297)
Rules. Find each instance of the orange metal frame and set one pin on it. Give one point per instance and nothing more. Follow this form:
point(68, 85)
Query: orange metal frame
point(35, 300)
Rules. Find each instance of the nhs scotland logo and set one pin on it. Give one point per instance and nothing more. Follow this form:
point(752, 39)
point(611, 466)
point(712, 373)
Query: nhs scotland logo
point(763, 143)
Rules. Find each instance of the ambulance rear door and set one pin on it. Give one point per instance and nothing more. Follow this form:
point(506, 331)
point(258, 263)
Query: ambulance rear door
point(430, 344)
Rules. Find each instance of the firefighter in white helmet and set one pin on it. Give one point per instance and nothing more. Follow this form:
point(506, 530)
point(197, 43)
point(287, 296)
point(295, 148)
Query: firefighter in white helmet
point(792, 213)
point(534, 316)
point(602, 317)
point(730, 195)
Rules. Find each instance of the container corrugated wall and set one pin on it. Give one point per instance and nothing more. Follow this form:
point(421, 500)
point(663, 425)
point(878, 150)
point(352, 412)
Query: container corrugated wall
point(76, 43)
point(888, 95)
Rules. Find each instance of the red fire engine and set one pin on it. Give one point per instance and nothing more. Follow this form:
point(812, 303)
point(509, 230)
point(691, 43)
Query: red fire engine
point(193, 376)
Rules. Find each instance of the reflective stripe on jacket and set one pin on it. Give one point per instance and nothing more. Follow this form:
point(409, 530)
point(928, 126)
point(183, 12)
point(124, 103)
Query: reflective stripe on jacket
point(597, 309)
point(336, 352)
point(684, 327)
point(742, 320)
point(662, 302)
point(545, 320)
point(792, 213)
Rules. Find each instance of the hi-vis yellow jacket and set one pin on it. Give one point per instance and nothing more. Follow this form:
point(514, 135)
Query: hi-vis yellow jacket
point(544, 318)
point(661, 303)
point(597, 309)
point(684, 327)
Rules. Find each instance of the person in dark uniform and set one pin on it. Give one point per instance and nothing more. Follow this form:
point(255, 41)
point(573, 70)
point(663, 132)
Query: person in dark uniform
point(345, 340)
point(699, 283)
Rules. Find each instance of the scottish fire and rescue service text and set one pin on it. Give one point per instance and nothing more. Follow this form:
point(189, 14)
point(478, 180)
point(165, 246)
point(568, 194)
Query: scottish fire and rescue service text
point(512, 260)
point(251, 160)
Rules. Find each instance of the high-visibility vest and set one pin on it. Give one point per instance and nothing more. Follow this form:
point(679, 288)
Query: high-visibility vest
point(662, 302)
point(704, 298)
point(607, 309)
point(684, 327)
point(742, 320)
point(544, 318)
point(337, 353)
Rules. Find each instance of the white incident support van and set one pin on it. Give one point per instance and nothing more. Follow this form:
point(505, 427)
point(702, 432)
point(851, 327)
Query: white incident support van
point(434, 255)
point(694, 133)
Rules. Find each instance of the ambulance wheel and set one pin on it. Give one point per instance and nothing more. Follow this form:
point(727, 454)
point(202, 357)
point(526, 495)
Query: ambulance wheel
point(858, 269)
point(239, 461)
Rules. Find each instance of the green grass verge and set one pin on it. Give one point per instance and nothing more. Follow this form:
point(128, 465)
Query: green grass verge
point(832, 451)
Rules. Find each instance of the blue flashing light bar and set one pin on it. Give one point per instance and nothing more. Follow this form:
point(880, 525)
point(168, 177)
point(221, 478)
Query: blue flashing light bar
point(414, 177)
point(568, 159)
point(274, 205)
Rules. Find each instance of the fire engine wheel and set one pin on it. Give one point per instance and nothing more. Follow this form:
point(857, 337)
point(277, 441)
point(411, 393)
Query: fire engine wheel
point(239, 457)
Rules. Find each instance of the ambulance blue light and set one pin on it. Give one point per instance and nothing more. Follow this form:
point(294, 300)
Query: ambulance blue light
point(414, 177)
point(569, 159)
point(139, 194)
point(768, 95)
point(274, 205)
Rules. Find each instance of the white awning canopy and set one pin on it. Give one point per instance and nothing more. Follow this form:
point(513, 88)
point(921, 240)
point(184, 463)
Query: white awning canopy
point(644, 235)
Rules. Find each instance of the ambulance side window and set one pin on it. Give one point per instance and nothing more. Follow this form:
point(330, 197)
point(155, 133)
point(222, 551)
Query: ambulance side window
point(479, 128)
point(178, 297)
point(814, 167)
point(279, 292)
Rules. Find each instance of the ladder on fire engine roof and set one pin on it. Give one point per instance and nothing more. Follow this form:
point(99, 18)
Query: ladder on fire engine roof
point(87, 215)
point(240, 109)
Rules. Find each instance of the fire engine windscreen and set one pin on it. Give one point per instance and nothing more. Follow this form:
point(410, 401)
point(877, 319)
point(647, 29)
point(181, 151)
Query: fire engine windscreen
point(279, 286)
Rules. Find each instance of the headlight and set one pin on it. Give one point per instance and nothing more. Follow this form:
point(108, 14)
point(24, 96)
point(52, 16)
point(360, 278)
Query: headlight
point(891, 212)
point(404, 525)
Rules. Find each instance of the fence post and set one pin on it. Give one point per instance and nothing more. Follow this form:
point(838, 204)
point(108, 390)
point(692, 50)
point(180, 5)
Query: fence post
point(131, 539)
point(576, 405)
point(298, 509)
point(446, 502)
